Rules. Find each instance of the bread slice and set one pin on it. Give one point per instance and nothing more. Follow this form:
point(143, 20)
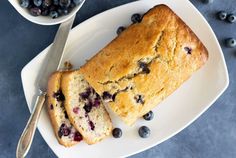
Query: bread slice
point(85, 108)
point(145, 64)
point(65, 133)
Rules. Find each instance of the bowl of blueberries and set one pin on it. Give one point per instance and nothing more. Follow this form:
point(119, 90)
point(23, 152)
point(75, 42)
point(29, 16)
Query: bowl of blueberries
point(47, 12)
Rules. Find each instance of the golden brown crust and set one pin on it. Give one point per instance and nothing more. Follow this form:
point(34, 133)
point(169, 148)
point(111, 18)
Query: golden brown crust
point(171, 51)
point(54, 86)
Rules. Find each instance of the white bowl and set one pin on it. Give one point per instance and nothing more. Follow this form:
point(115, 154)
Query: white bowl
point(43, 20)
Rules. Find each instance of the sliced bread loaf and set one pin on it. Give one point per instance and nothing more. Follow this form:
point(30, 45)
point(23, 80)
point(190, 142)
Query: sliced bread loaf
point(65, 133)
point(85, 108)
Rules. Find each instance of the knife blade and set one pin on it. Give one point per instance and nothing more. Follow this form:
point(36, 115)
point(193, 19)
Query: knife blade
point(55, 54)
point(51, 63)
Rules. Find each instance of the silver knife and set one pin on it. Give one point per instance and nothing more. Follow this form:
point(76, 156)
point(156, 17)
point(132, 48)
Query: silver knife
point(52, 62)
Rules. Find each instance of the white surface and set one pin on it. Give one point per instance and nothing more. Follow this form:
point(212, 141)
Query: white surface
point(43, 20)
point(171, 116)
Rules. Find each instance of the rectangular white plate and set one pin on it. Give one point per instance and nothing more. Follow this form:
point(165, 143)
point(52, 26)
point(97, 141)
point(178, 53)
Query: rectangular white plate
point(171, 116)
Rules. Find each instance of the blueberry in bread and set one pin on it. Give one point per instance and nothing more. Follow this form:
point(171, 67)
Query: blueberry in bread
point(65, 133)
point(85, 108)
point(147, 62)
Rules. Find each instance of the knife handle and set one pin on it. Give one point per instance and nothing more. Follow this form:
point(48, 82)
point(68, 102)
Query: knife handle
point(29, 131)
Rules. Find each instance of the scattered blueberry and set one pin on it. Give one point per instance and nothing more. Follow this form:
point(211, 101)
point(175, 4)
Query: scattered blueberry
point(24, 3)
point(77, 2)
point(64, 130)
point(230, 42)
point(77, 137)
point(120, 30)
point(136, 18)
point(148, 116)
point(144, 132)
point(207, 1)
point(59, 95)
point(37, 2)
point(222, 15)
point(231, 18)
point(91, 124)
point(35, 11)
point(188, 50)
point(117, 132)
point(64, 3)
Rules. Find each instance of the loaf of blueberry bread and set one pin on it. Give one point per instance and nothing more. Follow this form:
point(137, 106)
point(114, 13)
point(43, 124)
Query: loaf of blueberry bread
point(65, 133)
point(145, 63)
point(85, 108)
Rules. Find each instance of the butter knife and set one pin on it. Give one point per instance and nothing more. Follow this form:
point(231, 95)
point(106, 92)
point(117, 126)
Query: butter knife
point(52, 62)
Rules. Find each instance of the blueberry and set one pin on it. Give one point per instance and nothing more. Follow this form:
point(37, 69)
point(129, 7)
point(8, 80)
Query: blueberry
point(106, 95)
point(24, 3)
point(56, 2)
point(222, 15)
point(117, 132)
point(62, 11)
point(136, 18)
point(144, 67)
point(64, 3)
point(77, 2)
point(148, 116)
point(77, 137)
point(88, 107)
point(72, 5)
point(91, 124)
point(139, 99)
point(37, 2)
point(45, 12)
point(35, 11)
point(96, 102)
point(64, 130)
point(59, 95)
point(53, 8)
point(231, 18)
point(84, 95)
point(51, 107)
point(144, 132)
point(53, 14)
point(207, 1)
point(76, 110)
point(188, 50)
point(46, 3)
point(230, 42)
point(120, 30)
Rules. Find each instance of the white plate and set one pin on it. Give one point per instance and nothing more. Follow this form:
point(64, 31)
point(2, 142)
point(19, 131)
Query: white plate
point(171, 116)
